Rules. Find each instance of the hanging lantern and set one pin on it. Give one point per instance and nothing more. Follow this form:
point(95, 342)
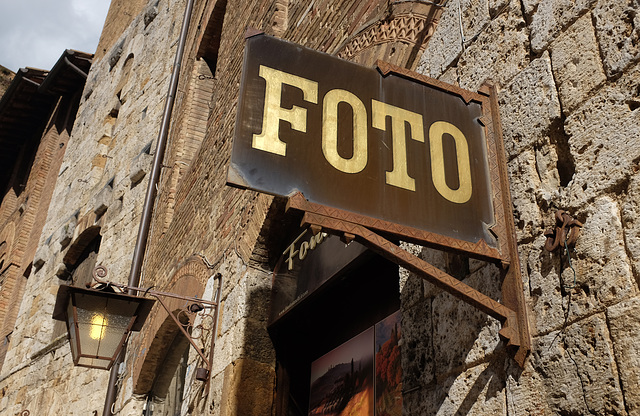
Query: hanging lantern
point(98, 322)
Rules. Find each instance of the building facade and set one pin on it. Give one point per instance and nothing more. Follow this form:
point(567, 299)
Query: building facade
point(568, 87)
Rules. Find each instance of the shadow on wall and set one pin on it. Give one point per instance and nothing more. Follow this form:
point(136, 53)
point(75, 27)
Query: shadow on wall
point(453, 360)
point(248, 384)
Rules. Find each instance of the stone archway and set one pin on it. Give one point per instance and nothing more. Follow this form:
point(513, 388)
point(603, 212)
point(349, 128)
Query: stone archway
point(153, 346)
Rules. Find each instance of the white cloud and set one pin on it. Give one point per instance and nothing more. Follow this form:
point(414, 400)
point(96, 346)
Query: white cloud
point(35, 32)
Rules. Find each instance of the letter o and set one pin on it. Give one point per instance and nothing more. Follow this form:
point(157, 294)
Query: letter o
point(358, 161)
point(436, 132)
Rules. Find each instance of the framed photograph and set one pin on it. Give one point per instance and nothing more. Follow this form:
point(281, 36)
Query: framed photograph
point(342, 381)
point(388, 384)
point(362, 377)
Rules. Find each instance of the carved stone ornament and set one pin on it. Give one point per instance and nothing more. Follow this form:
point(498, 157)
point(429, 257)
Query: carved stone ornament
point(410, 23)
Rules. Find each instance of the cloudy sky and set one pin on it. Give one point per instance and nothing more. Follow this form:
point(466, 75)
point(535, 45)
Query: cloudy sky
point(35, 32)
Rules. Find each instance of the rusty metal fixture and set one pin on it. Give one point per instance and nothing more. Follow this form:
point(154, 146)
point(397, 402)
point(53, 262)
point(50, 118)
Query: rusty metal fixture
point(339, 223)
point(566, 231)
point(205, 311)
point(202, 374)
point(511, 311)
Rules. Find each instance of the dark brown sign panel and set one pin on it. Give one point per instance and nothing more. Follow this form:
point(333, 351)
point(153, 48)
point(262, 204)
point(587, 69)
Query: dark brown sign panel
point(349, 137)
point(306, 264)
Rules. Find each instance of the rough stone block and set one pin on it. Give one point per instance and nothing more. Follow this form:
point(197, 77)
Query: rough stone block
point(500, 51)
point(545, 293)
point(256, 343)
point(102, 200)
point(438, 259)
point(624, 324)
point(450, 76)
point(62, 272)
point(247, 389)
point(590, 350)
point(418, 366)
point(139, 167)
point(476, 334)
point(630, 214)
point(524, 183)
point(579, 370)
point(66, 232)
point(576, 74)
point(524, 391)
point(446, 44)
point(227, 349)
point(603, 272)
point(497, 6)
point(549, 18)
point(529, 105)
point(411, 286)
point(601, 133)
point(476, 391)
point(618, 30)
point(529, 7)
point(43, 253)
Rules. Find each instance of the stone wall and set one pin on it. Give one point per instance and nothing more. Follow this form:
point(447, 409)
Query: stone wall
point(568, 83)
point(100, 185)
point(6, 76)
point(567, 75)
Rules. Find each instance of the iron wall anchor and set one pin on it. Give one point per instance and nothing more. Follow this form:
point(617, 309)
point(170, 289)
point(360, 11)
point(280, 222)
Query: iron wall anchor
point(567, 230)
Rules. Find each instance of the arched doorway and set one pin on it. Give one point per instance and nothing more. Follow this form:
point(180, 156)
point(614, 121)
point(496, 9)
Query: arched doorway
point(167, 392)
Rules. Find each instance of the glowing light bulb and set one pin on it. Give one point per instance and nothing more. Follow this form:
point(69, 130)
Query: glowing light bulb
point(98, 326)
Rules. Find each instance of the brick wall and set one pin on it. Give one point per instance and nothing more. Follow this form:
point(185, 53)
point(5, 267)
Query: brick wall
point(27, 219)
point(228, 225)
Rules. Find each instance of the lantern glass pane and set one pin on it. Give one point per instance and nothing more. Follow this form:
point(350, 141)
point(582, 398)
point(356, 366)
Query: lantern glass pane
point(94, 362)
point(71, 328)
point(101, 333)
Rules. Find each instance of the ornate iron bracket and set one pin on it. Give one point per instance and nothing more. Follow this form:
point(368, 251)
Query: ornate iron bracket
point(566, 231)
point(197, 308)
point(513, 331)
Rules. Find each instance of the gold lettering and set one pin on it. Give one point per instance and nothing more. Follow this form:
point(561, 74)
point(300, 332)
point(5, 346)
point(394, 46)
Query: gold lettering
point(398, 176)
point(358, 161)
point(304, 248)
point(436, 132)
point(291, 250)
point(269, 139)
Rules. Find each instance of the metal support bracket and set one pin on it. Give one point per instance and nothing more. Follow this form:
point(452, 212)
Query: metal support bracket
point(185, 318)
point(513, 332)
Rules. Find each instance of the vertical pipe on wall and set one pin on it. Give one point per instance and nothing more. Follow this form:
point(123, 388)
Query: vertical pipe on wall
point(147, 209)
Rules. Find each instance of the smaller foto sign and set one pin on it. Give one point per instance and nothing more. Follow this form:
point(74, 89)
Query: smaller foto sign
point(306, 263)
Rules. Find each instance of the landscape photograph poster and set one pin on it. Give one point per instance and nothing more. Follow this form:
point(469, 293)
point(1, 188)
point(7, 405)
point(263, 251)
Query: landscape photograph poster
point(361, 377)
point(388, 367)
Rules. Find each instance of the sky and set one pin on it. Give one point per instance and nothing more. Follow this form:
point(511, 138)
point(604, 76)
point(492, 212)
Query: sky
point(35, 33)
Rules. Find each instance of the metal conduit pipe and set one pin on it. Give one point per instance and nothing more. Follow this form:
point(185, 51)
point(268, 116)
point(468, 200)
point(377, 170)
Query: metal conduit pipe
point(147, 209)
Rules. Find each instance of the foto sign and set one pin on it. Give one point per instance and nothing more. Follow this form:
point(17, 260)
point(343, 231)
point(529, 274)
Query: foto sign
point(385, 147)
